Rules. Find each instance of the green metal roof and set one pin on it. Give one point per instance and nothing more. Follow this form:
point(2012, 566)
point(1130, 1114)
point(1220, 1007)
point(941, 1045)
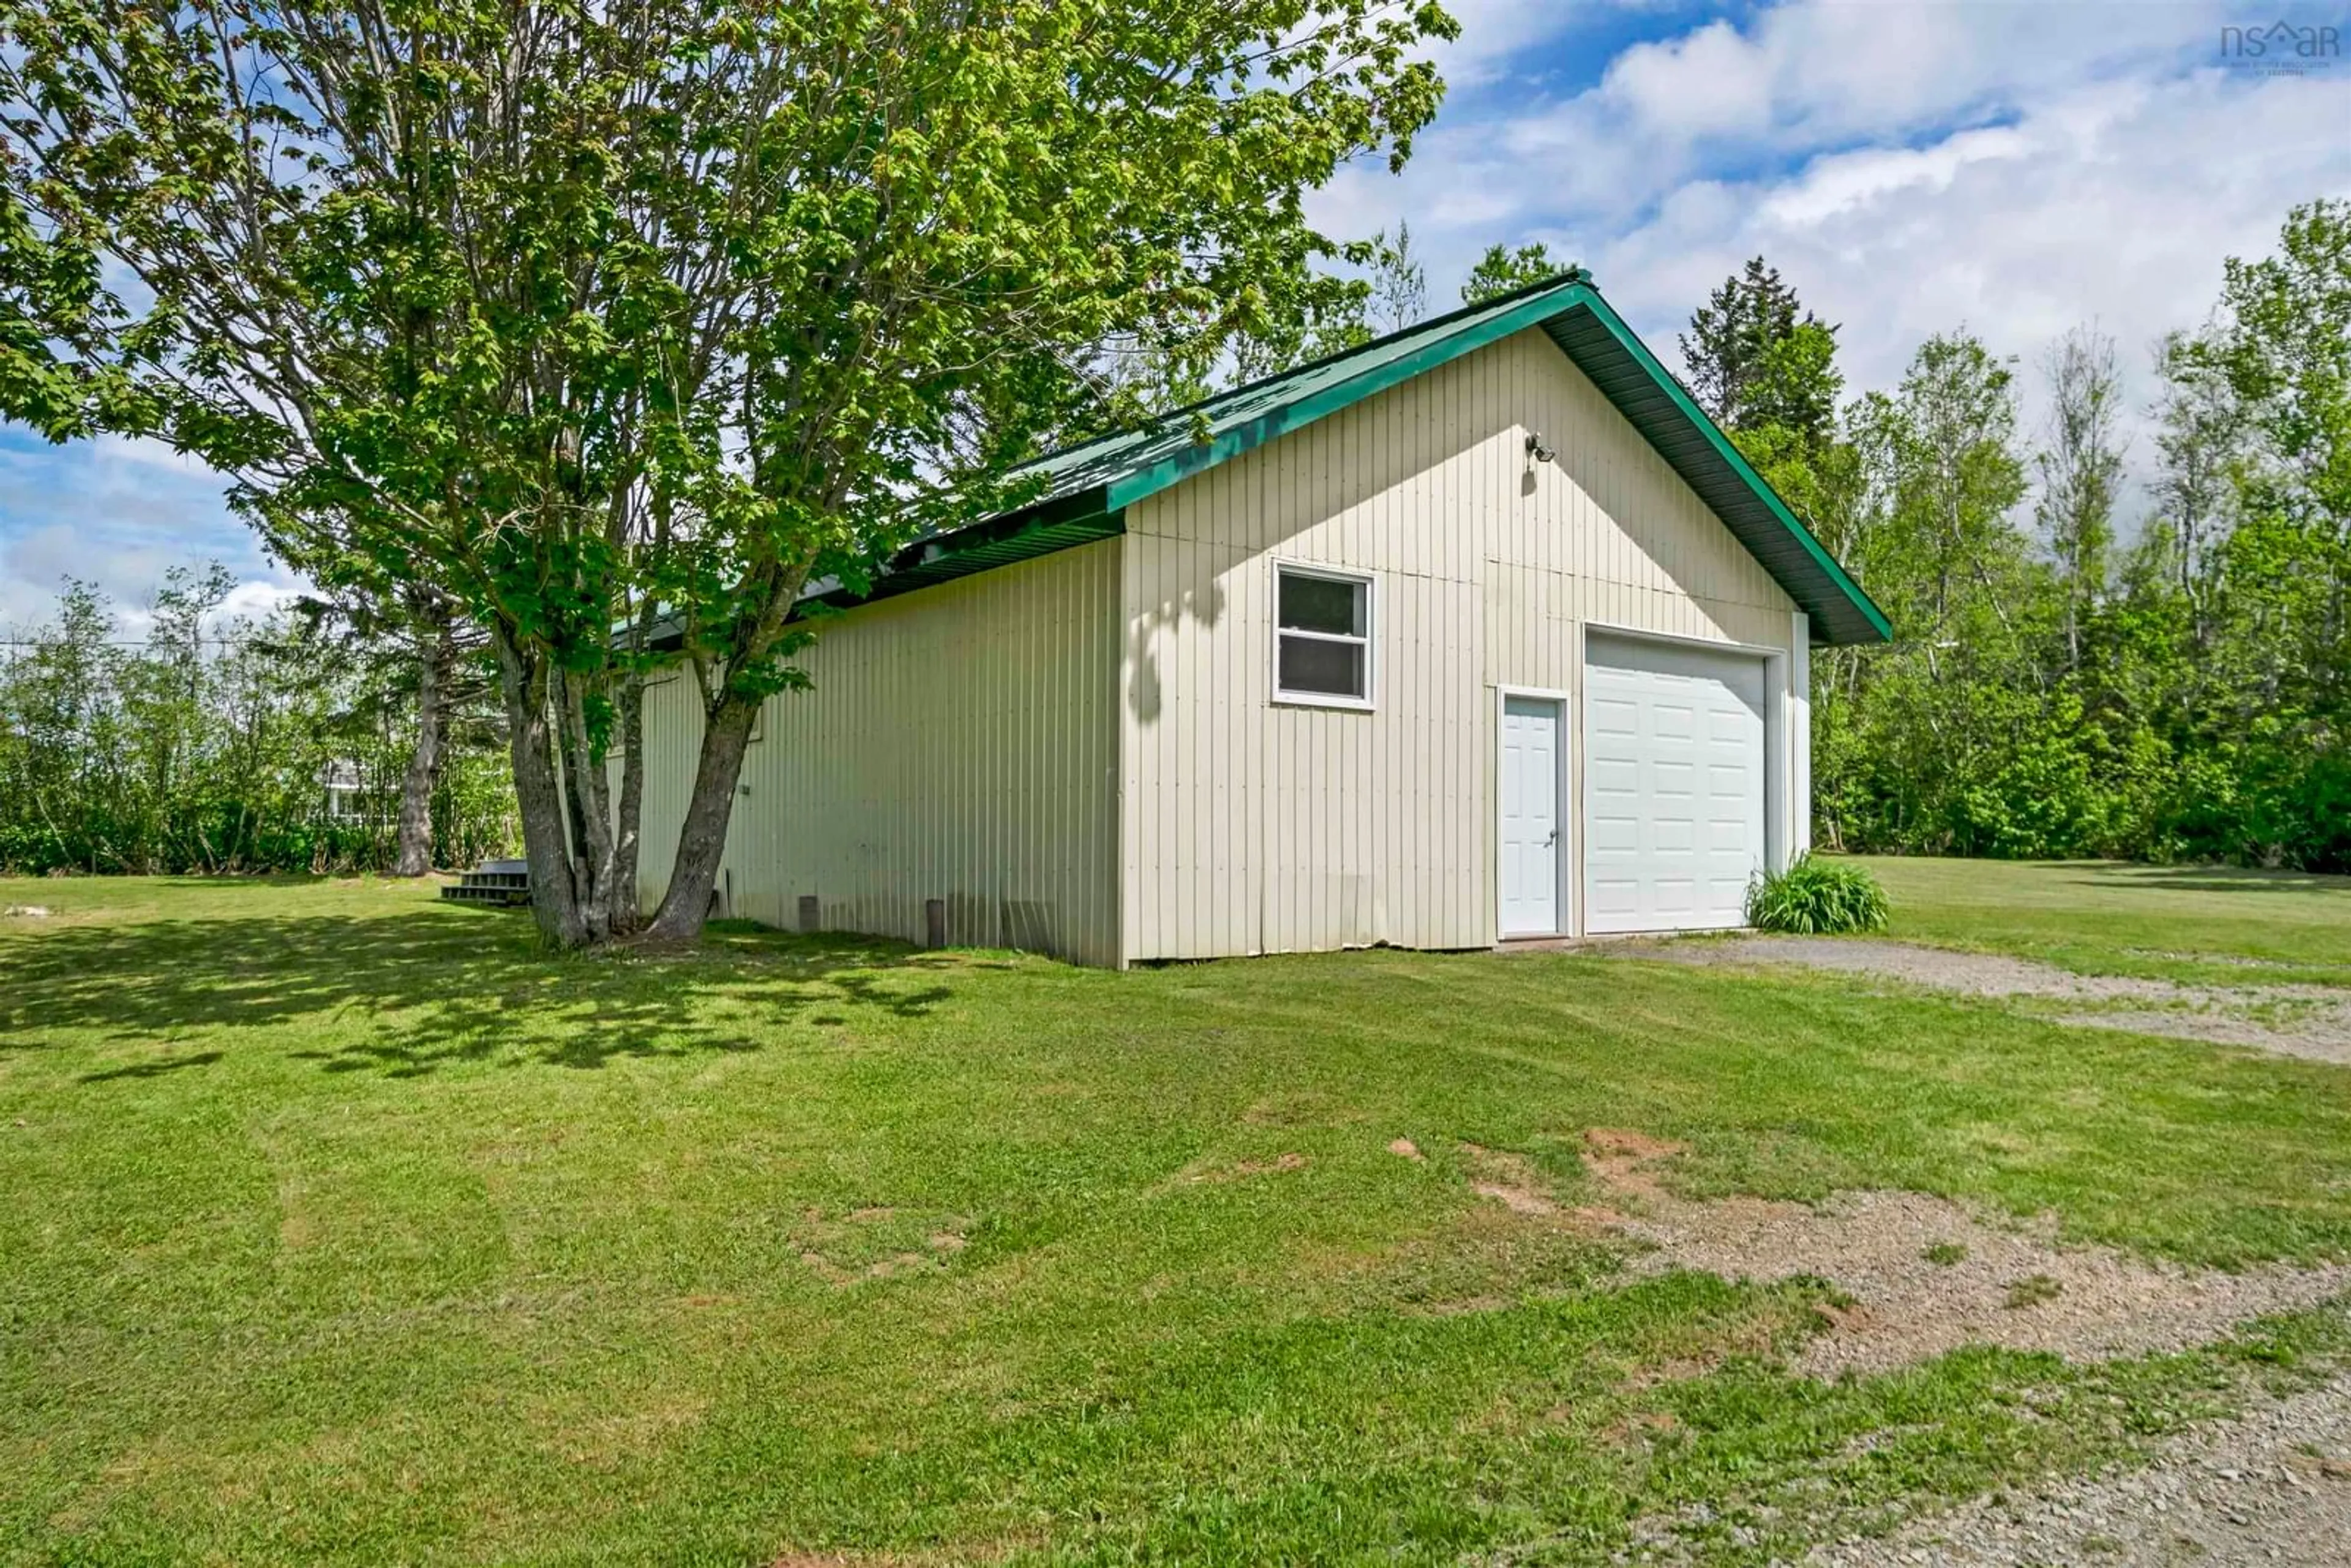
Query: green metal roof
point(1087, 488)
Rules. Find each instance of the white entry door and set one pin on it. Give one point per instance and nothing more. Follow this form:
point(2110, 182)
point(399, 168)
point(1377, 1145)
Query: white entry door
point(1673, 796)
point(1527, 836)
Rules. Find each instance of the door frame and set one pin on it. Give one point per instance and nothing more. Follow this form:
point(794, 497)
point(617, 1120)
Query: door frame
point(1778, 830)
point(1563, 902)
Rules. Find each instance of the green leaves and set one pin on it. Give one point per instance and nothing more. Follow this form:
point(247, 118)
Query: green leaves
point(2191, 700)
point(1502, 271)
point(567, 311)
point(1817, 897)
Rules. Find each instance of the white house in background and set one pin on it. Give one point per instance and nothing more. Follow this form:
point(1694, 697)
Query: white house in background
point(347, 793)
point(1481, 632)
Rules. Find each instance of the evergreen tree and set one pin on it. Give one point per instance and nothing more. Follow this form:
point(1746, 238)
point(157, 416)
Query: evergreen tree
point(1757, 357)
point(1766, 369)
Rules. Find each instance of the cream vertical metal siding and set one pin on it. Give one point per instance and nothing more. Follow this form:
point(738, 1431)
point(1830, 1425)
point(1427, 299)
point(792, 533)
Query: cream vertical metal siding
point(1246, 826)
point(958, 743)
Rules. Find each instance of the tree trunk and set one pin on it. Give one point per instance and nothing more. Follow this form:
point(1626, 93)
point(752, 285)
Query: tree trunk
point(539, 796)
point(588, 788)
point(702, 840)
point(414, 856)
point(628, 912)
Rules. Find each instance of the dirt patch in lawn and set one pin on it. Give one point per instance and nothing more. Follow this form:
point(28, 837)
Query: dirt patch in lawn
point(1624, 1162)
point(877, 1242)
point(2313, 1022)
point(1920, 1275)
point(1508, 1179)
point(1213, 1170)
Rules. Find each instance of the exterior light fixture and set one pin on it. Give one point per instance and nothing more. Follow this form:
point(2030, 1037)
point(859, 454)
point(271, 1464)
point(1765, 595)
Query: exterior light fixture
point(1538, 449)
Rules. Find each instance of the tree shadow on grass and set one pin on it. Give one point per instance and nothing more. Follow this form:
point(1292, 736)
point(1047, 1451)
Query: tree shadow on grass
point(153, 1069)
point(429, 987)
point(2218, 879)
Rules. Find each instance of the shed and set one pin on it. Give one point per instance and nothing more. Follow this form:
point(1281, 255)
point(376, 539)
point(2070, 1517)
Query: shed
point(1481, 632)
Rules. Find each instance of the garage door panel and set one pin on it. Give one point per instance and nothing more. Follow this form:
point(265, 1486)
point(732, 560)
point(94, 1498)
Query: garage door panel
point(1613, 835)
point(1616, 715)
point(1672, 895)
point(1616, 776)
point(1673, 769)
point(1613, 900)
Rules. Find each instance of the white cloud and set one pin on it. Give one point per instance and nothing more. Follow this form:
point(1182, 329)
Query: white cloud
point(1792, 83)
point(147, 453)
point(1910, 170)
point(1810, 74)
point(1841, 181)
point(1715, 81)
point(2114, 204)
point(253, 600)
point(117, 513)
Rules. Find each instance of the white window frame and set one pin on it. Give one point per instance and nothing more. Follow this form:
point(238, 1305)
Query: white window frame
point(1282, 696)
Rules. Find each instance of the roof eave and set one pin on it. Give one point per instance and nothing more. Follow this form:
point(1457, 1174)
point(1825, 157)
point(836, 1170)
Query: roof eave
point(1840, 611)
point(1689, 441)
point(1836, 606)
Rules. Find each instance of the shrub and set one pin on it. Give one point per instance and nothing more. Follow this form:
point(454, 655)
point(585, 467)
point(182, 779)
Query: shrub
point(1815, 897)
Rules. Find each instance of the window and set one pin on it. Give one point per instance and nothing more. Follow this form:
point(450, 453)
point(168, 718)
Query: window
point(1322, 637)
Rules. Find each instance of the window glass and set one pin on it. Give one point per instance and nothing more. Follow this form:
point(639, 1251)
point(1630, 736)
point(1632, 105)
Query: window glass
point(1328, 669)
point(1322, 605)
point(1322, 638)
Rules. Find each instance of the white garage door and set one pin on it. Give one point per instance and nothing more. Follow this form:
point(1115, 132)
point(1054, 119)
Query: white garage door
point(1673, 796)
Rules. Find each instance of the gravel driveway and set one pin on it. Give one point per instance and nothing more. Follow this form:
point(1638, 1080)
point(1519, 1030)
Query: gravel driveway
point(1923, 1275)
point(2274, 1486)
point(2271, 1486)
point(2313, 1022)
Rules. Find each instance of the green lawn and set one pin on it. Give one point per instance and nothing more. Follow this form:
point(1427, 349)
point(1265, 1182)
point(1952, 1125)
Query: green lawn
point(337, 1224)
point(2196, 923)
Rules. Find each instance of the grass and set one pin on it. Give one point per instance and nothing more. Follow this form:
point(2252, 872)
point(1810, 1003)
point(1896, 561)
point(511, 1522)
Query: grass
point(2198, 924)
point(2032, 1291)
point(337, 1224)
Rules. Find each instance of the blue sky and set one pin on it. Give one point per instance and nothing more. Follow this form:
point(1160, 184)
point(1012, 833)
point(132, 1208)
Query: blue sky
point(2014, 168)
